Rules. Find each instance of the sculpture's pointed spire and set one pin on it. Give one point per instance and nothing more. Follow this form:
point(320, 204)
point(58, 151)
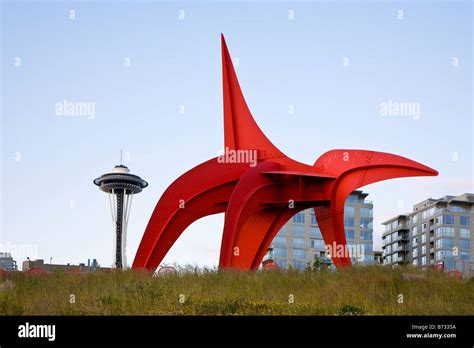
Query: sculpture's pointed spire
point(240, 129)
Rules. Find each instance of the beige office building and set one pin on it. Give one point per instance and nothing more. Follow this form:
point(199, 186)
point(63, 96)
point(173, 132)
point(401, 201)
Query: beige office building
point(438, 232)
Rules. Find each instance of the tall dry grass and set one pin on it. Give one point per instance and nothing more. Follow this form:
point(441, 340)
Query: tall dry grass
point(370, 290)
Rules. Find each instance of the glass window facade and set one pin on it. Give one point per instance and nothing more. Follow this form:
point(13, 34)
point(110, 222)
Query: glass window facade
point(349, 222)
point(299, 265)
point(449, 265)
point(299, 218)
point(464, 220)
point(349, 233)
point(465, 255)
point(464, 244)
point(444, 232)
point(349, 210)
point(366, 223)
point(366, 235)
point(298, 241)
point(315, 232)
point(281, 263)
point(306, 240)
point(298, 230)
point(317, 244)
point(444, 243)
point(299, 254)
point(279, 240)
point(447, 219)
point(464, 233)
point(280, 252)
point(313, 218)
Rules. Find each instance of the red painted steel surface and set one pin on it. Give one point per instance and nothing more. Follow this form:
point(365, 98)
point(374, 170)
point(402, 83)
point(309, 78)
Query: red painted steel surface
point(258, 197)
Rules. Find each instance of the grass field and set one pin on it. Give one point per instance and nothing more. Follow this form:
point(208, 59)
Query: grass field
point(372, 290)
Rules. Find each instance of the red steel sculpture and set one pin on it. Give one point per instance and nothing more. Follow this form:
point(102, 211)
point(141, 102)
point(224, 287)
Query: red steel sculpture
point(259, 197)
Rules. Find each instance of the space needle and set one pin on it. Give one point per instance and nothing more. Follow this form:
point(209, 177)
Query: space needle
point(120, 185)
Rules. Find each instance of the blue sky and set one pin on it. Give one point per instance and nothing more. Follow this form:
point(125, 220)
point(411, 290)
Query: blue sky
point(49, 161)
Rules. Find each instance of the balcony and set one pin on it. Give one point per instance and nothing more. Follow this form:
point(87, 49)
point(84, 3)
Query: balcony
point(399, 238)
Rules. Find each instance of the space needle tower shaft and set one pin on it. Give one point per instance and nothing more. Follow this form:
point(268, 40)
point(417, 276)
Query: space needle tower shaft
point(121, 186)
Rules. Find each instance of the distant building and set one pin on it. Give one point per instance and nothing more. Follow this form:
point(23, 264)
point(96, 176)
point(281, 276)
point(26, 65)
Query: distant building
point(378, 257)
point(39, 264)
point(299, 243)
point(7, 263)
point(438, 232)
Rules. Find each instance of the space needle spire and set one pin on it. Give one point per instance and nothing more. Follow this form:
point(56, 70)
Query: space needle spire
point(120, 185)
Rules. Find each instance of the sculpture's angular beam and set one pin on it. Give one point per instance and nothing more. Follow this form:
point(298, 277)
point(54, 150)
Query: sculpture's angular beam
point(240, 129)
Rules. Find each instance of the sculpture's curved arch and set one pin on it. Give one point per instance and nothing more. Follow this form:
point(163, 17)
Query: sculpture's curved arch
point(202, 191)
point(355, 169)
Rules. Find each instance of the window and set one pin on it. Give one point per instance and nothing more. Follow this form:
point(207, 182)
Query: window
point(464, 221)
point(299, 254)
point(315, 232)
point(279, 240)
point(415, 262)
point(313, 218)
point(282, 231)
point(389, 249)
point(281, 263)
point(427, 213)
point(415, 253)
point(415, 241)
point(423, 238)
point(444, 232)
point(366, 223)
point(351, 199)
point(464, 233)
point(465, 244)
point(415, 218)
point(349, 210)
point(423, 227)
point(423, 249)
point(449, 265)
point(367, 247)
point(317, 244)
point(447, 219)
point(280, 252)
point(349, 234)
point(465, 255)
point(366, 212)
point(414, 231)
point(423, 260)
point(444, 243)
point(298, 230)
point(299, 265)
point(349, 221)
point(299, 218)
point(457, 209)
point(365, 235)
point(298, 241)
